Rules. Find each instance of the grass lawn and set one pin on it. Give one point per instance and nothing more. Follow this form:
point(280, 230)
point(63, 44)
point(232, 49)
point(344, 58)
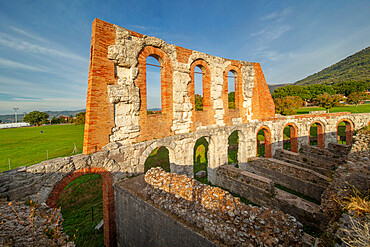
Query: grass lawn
point(31, 145)
point(76, 201)
point(365, 108)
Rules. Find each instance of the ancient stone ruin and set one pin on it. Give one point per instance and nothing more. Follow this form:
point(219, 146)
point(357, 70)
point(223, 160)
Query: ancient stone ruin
point(120, 135)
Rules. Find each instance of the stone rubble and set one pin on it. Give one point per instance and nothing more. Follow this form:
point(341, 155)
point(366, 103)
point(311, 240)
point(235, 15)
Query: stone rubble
point(352, 176)
point(20, 228)
point(219, 214)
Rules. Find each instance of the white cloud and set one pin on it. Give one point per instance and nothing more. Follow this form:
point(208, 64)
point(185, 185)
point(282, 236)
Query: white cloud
point(6, 63)
point(20, 31)
point(21, 45)
point(277, 15)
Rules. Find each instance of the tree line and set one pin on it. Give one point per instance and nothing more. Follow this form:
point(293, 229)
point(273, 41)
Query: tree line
point(291, 97)
point(39, 118)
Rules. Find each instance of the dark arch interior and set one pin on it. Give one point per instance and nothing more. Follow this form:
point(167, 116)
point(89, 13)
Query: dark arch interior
point(261, 143)
point(314, 135)
point(232, 151)
point(200, 160)
point(159, 157)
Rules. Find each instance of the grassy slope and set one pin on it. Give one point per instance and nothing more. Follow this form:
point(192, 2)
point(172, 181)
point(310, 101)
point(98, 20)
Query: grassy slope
point(354, 67)
point(26, 146)
point(76, 201)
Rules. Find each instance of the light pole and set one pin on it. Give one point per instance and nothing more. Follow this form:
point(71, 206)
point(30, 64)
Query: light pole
point(15, 110)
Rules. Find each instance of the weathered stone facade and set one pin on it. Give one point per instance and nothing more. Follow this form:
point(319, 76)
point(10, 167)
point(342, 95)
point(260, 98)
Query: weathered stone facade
point(117, 87)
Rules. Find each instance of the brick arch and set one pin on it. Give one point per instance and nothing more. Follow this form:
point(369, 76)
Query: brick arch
point(149, 150)
point(108, 199)
point(293, 136)
point(349, 129)
point(238, 111)
point(157, 125)
point(320, 134)
point(267, 133)
point(205, 117)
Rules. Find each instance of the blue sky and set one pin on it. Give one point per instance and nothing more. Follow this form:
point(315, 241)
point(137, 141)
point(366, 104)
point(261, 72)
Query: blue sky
point(44, 45)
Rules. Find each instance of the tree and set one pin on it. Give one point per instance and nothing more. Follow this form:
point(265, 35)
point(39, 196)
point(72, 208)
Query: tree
point(292, 90)
point(317, 89)
point(348, 87)
point(35, 117)
point(1, 121)
point(231, 100)
point(80, 118)
point(356, 97)
point(328, 101)
point(287, 105)
point(198, 102)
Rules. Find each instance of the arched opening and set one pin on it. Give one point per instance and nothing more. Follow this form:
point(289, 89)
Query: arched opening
point(263, 142)
point(198, 84)
point(231, 76)
point(317, 135)
point(290, 138)
point(200, 160)
point(159, 157)
point(109, 226)
point(344, 132)
point(81, 203)
point(153, 85)
point(232, 151)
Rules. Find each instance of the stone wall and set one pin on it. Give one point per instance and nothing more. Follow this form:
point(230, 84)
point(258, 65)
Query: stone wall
point(139, 223)
point(234, 180)
point(217, 213)
point(118, 74)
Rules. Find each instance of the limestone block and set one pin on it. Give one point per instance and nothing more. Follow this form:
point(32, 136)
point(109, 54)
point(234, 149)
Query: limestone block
point(218, 104)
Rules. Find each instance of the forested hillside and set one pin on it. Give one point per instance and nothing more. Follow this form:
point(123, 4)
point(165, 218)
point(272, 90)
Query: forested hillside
point(355, 68)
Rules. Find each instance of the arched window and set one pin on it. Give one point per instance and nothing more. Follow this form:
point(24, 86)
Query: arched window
point(231, 76)
point(344, 132)
point(290, 140)
point(233, 148)
point(317, 135)
point(153, 85)
point(200, 161)
point(198, 81)
point(159, 157)
point(264, 142)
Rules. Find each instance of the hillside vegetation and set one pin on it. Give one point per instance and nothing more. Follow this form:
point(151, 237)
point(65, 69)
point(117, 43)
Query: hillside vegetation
point(355, 68)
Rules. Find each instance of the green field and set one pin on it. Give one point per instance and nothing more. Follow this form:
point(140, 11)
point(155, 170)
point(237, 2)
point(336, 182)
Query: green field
point(31, 145)
point(365, 108)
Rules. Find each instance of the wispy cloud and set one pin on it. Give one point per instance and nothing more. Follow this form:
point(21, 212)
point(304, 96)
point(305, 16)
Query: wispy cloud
point(22, 45)
point(277, 15)
point(274, 32)
point(21, 31)
point(5, 63)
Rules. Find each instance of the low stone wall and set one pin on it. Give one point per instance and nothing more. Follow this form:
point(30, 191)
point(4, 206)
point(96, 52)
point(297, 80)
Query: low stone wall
point(306, 161)
point(139, 223)
point(305, 211)
point(297, 178)
point(219, 214)
point(330, 154)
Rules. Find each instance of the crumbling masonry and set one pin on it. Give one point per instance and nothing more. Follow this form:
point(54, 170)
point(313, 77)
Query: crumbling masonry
point(120, 136)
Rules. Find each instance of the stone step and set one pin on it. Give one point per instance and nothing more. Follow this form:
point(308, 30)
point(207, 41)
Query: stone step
point(310, 160)
point(320, 170)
